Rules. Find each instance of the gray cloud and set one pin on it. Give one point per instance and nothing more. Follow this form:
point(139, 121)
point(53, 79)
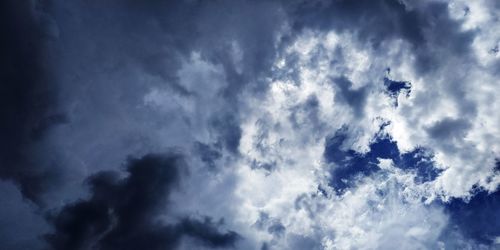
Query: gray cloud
point(29, 100)
point(426, 26)
point(124, 213)
point(353, 97)
point(449, 128)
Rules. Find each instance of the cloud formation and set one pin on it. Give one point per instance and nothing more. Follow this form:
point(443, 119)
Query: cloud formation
point(29, 100)
point(287, 124)
point(125, 213)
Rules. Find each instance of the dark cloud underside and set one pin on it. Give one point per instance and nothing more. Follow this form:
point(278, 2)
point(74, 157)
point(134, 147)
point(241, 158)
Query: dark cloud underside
point(125, 213)
point(28, 99)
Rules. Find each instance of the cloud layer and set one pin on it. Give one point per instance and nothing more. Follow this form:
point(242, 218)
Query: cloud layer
point(250, 124)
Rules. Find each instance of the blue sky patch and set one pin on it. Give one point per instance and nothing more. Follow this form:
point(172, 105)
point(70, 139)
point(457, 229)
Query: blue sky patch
point(479, 218)
point(350, 164)
point(394, 88)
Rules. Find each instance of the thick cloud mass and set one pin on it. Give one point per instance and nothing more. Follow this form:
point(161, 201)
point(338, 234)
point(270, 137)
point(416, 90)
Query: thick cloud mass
point(125, 213)
point(318, 124)
point(28, 99)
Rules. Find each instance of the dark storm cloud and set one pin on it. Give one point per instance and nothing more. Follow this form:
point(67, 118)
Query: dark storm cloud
point(28, 98)
point(426, 26)
point(124, 213)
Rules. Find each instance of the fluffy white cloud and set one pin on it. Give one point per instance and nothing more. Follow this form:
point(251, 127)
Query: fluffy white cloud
point(451, 111)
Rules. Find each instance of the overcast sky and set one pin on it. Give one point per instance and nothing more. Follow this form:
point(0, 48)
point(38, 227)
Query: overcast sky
point(238, 124)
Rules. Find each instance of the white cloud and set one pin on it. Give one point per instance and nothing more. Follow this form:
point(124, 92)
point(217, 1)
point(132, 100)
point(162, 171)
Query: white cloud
point(277, 130)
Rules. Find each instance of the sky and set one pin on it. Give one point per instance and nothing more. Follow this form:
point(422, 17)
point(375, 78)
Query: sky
point(249, 124)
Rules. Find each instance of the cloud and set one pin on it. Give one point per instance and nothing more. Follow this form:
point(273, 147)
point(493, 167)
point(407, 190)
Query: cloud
point(302, 124)
point(449, 128)
point(355, 98)
point(429, 167)
point(21, 222)
point(125, 213)
point(29, 104)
